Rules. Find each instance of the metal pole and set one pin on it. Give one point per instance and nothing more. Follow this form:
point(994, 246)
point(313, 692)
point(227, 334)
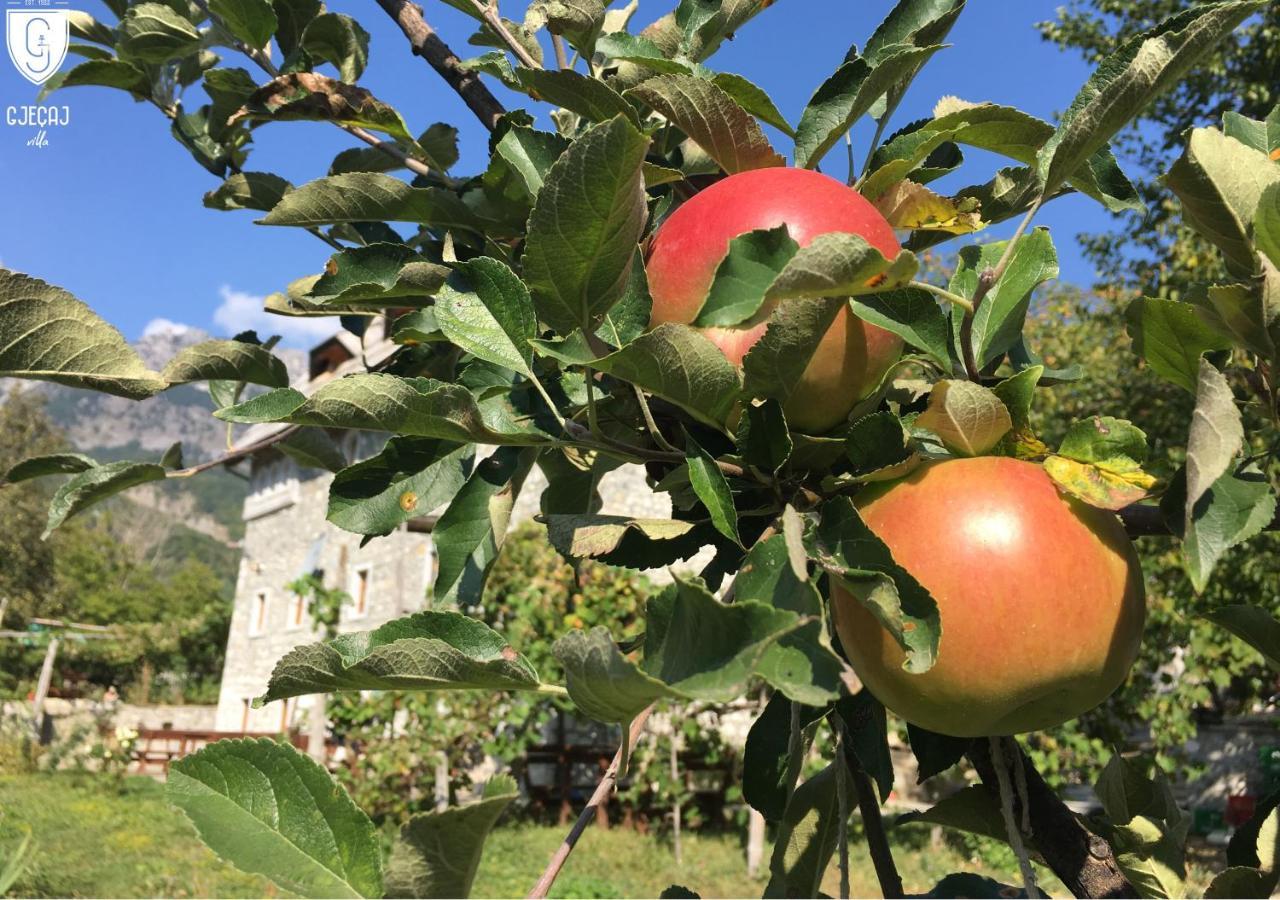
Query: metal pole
point(42, 688)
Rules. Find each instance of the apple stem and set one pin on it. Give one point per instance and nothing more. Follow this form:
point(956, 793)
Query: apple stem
point(1006, 809)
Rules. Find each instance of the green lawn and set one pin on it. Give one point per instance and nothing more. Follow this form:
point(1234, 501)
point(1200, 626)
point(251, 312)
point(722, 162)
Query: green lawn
point(92, 840)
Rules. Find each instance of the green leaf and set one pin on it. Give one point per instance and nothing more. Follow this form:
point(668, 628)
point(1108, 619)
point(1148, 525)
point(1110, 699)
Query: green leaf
point(971, 884)
point(1220, 182)
point(773, 366)
point(49, 335)
point(579, 21)
point(154, 33)
point(252, 21)
point(1172, 338)
point(763, 436)
point(313, 448)
point(1234, 509)
point(849, 94)
point(707, 650)
point(377, 275)
point(1017, 393)
point(438, 853)
point(230, 360)
point(340, 40)
point(876, 444)
point(973, 809)
point(116, 73)
point(1239, 881)
point(969, 418)
point(589, 97)
point(847, 549)
point(1215, 436)
point(470, 532)
point(1009, 132)
point(753, 99)
point(520, 163)
point(274, 811)
point(294, 16)
point(51, 464)
point(913, 315)
point(743, 277)
point(711, 119)
point(840, 265)
point(712, 489)
point(371, 197)
point(998, 321)
point(603, 683)
point(935, 753)
point(585, 225)
point(1266, 224)
point(248, 190)
point(95, 485)
point(409, 478)
point(866, 732)
point(629, 317)
point(1253, 625)
point(807, 836)
point(420, 407)
point(765, 759)
point(427, 651)
point(594, 536)
point(1128, 79)
point(489, 314)
point(679, 364)
point(1151, 856)
point(308, 97)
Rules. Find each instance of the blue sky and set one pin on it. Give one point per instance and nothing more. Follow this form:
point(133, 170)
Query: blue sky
point(111, 209)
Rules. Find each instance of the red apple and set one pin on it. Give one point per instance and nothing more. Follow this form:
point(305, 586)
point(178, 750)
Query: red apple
point(685, 252)
point(1040, 597)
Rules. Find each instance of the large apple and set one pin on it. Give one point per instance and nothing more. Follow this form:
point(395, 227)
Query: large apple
point(1040, 597)
point(687, 249)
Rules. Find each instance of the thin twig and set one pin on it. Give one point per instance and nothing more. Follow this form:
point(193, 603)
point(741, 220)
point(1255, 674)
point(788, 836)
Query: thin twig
point(234, 455)
point(986, 281)
point(1010, 824)
point(652, 425)
point(424, 42)
point(489, 12)
point(599, 796)
point(842, 804)
point(952, 298)
point(873, 827)
point(562, 58)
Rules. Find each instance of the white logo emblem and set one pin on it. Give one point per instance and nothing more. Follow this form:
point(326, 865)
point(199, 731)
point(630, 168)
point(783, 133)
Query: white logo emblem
point(37, 40)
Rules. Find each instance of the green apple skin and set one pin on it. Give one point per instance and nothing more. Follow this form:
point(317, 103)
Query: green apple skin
point(1040, 597)
point(688, 247)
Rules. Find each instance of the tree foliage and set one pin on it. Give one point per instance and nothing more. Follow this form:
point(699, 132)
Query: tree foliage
point(521, 316)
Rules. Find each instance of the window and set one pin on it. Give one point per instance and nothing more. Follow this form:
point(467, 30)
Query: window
point(258, 614)
point(359, 592)
point(297, 612)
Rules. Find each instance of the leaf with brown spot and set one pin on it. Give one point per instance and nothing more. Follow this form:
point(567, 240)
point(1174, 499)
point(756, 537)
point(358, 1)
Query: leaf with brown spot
point(913, 206)
point(308, 97)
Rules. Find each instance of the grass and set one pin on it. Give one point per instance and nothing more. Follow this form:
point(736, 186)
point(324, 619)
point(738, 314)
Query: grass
point(91, 838)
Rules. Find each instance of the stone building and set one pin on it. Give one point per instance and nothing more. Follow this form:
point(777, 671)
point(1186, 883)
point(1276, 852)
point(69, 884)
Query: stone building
point(287, 536)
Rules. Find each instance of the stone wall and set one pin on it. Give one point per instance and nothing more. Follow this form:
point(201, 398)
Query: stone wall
point(286, 536)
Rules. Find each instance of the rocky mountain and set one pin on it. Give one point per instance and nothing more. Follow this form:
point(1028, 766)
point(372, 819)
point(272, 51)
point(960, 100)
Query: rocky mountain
point(110, 428)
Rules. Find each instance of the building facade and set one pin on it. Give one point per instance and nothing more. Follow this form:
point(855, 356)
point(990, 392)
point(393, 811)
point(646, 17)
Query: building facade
point(287, 537)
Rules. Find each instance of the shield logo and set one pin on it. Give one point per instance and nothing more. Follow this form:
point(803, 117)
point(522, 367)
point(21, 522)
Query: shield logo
point(37, 40)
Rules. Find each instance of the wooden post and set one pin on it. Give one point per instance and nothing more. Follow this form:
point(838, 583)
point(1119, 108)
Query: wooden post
point(755, 842)
point(675, 800)
point(42, 688)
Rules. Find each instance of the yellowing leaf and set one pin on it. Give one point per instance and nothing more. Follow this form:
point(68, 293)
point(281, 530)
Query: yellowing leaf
point(1099, 486)
point(913, 206)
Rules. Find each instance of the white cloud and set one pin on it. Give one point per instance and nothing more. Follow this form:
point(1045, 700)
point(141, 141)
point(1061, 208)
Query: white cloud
point(240, 312)
point(164, 326)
